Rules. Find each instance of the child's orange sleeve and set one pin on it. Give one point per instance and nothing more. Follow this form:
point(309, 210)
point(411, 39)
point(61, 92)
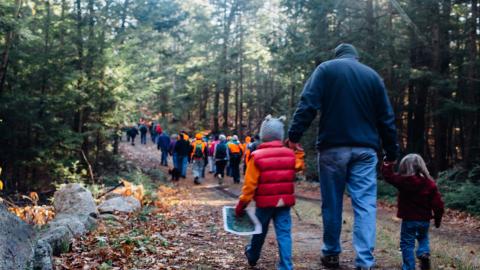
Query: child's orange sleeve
point(299, 160)
point(251, 182)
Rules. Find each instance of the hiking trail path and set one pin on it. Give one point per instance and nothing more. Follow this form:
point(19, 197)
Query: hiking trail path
point(197, 240)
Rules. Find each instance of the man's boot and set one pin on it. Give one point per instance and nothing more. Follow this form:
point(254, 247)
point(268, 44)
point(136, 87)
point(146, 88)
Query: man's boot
point(330, 261)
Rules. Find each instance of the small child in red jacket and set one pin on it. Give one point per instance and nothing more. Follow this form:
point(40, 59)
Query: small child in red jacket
point(269, 181)
point(418, 201)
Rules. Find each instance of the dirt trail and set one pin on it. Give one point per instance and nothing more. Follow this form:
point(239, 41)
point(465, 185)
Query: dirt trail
point(453, 245)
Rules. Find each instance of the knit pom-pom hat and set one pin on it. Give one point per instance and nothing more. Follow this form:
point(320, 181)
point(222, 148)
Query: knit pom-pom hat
point(272, 129)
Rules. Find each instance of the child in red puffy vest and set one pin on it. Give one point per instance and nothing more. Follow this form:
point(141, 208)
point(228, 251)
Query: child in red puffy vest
point(269, 180)
point(418, 202)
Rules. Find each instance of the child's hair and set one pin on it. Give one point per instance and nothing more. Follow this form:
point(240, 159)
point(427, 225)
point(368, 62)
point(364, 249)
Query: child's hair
point(413, 164)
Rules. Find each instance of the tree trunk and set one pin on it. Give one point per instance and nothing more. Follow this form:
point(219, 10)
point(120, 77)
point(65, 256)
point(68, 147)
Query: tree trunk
point(9, 38)
point(370, 25)
point(240, 129)
point(441, 61)
point(225, 85)
point(216, 105)
point(471, 132)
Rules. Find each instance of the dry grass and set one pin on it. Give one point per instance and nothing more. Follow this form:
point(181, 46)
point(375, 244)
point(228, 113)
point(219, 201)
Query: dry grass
point(446, 253)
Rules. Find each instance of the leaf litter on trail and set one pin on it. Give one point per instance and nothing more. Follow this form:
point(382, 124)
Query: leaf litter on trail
point(174, 233)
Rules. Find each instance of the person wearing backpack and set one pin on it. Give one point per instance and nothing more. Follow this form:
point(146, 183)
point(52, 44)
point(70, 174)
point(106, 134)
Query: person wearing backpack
point(198, 155)
point(220, 153)
point(143, 133)
point(133, 132)
point(235, 152)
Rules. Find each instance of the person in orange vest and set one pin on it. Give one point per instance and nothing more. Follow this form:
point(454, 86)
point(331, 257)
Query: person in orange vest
point(248, 140)
point(198, 156)
point(235, 153)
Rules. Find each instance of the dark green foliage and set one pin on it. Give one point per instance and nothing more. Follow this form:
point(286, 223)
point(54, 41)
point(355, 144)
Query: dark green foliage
point(460, 189)
point(386, 191)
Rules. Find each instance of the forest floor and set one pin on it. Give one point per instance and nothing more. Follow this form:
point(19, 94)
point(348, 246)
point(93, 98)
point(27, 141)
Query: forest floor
point(183, 229)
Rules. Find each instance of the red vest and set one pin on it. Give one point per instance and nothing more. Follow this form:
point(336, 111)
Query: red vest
point(276, 164)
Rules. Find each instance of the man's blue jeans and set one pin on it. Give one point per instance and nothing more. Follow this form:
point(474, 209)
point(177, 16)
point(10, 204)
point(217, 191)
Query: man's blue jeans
point(143, 138)
point(354, 168)
point(282, 222)
point(412, 230)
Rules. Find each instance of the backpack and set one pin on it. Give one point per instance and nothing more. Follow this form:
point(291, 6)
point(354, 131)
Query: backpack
point(221, 151)
point(198, 151)
point(143, 128)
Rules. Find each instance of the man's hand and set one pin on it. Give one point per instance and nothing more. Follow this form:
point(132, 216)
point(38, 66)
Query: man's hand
point(291, 145)
point(240, 209)
point(389, 162)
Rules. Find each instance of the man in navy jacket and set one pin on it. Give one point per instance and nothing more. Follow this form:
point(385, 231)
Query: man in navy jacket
point(163, 144)
point(356, 121)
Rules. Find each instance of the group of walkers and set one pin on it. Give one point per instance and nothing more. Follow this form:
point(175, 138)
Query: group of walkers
point(219, 154)
point(356, 123)
point(222, 155)
point(142, 128)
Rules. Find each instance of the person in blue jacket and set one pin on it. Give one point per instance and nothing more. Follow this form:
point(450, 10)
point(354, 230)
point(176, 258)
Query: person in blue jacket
point(356, 121)
point(163, 144)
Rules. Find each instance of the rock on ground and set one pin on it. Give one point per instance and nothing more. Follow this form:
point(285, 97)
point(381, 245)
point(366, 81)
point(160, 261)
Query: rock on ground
point(75, 215)
point(75, 199)
point(43, 256)
point(120, 204)
point(17, 240)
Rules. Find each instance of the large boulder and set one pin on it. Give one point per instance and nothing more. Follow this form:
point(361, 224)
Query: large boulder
point(120, 204)
point(58, 237)
point(75, 215)
point(17, 241)
point(75, 199)
point(72, 222)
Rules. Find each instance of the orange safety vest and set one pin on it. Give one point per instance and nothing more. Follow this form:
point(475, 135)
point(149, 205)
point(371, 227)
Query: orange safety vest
point(235, 148)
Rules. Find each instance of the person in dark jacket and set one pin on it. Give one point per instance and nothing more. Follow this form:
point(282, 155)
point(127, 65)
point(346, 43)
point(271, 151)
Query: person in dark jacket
point(143, 133)
point(153, 132)
point(418, 202)
point(182, 152)
point(163, 143)
point(132, 132)
point(220, 153)
point(355, 115)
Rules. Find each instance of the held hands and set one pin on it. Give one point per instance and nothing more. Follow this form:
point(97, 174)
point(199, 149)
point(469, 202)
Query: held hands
point(389, 162)
point(292, 145)
point(240, 209)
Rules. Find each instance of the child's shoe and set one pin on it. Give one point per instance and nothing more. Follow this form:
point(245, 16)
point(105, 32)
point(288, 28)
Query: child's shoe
point(250, 262)
point(330, 261)
point(424, 261)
